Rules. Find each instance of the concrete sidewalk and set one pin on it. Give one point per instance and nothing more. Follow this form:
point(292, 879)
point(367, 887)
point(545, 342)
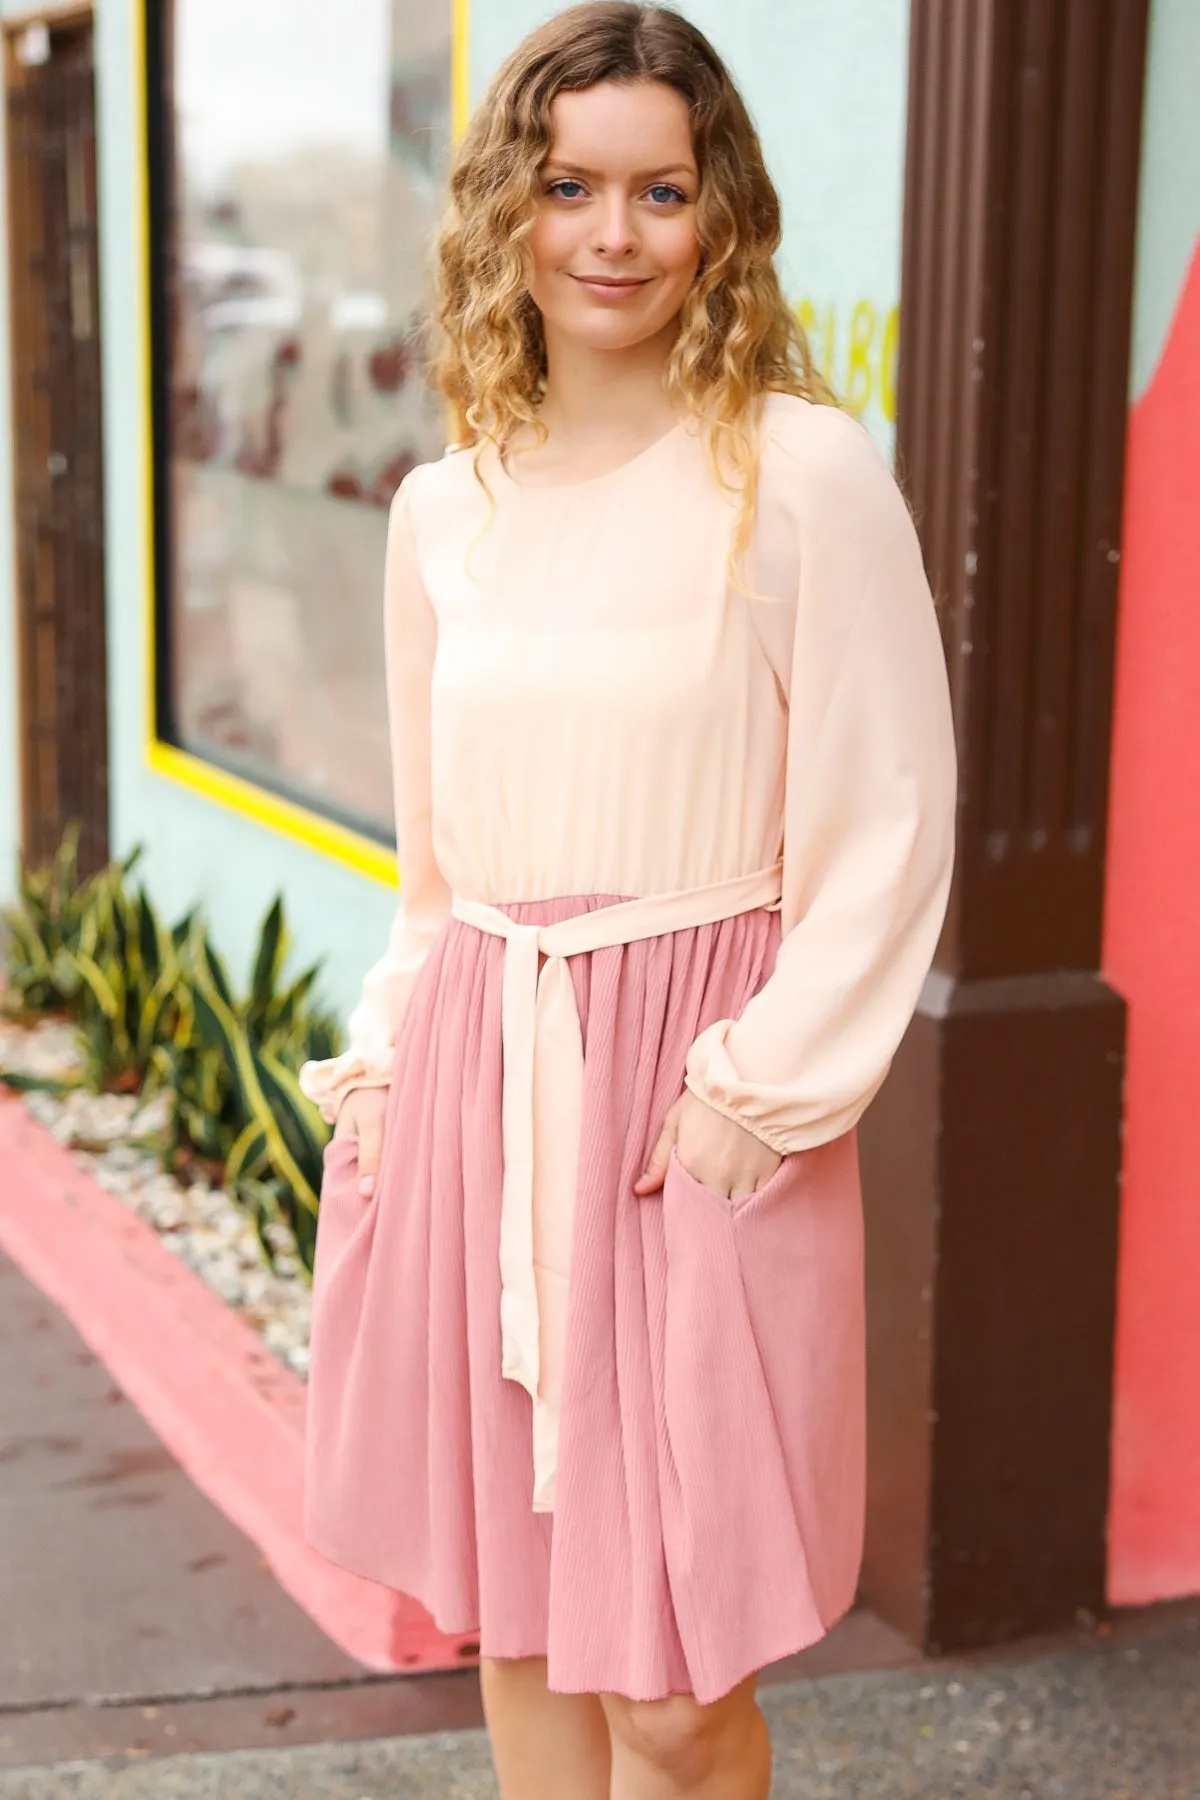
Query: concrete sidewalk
point(1115, 1719)
point(117, 1577)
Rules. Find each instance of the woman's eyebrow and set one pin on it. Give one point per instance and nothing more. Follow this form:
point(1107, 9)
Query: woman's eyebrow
point(568, 168)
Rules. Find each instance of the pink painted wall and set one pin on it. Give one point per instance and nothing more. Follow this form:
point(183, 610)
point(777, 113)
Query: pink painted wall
point(1152, 957)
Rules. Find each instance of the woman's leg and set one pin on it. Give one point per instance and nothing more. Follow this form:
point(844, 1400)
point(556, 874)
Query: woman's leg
point(545, 1746)
point(666, 1749)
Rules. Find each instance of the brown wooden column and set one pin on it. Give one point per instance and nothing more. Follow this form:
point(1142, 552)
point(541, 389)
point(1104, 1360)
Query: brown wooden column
point(991, 1159)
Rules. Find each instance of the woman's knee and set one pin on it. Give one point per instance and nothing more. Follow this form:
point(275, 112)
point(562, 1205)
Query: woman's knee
point(524, 1671)
point(677, 1737)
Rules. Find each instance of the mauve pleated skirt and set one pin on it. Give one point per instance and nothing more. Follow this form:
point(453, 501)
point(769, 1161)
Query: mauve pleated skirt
point(709, 1504)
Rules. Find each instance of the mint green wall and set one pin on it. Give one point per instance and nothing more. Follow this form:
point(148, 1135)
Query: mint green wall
point(1169, 199)
point(826, 85)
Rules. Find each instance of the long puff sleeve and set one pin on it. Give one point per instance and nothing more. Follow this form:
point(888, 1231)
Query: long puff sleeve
point(410, 636)
point(870, 797)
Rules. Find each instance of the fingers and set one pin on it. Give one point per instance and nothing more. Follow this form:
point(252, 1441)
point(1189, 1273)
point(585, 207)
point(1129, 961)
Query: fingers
point(370, 1140)
point(361, 1117)
point(656, 1167)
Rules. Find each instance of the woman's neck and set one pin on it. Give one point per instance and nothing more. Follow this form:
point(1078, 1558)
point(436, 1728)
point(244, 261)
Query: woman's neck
point(597, 398)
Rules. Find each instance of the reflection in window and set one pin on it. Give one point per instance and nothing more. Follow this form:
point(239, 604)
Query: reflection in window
point(309, 143)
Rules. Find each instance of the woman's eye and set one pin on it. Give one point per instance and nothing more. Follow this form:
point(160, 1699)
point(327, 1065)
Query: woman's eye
point(560, 188)
point(662, 193)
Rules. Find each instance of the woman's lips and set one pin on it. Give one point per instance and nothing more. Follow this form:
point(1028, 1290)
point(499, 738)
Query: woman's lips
point(611, 290)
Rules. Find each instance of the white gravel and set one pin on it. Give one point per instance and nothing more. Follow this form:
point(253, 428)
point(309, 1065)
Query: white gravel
point(204, 1225)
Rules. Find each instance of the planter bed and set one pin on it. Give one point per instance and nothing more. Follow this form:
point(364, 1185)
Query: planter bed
point(201, 1224)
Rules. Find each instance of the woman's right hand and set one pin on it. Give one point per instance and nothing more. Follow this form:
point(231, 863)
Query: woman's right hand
point(361, 1115)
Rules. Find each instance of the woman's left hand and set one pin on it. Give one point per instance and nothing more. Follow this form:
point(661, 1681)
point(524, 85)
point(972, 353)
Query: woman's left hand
point(716, 1151)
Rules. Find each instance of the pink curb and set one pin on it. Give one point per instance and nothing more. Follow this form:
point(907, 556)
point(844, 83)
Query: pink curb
point(229, 1412)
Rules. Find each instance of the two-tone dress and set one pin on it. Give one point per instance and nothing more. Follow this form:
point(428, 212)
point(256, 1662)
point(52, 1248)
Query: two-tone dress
point(659, 823)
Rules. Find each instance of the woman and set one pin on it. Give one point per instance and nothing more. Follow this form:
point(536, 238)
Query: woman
point(675, 784)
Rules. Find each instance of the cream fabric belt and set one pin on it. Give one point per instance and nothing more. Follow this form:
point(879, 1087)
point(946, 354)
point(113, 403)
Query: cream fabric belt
point(541, 1108)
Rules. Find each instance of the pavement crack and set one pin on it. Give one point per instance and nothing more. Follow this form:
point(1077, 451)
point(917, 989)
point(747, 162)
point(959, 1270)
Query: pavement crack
point(244, 1691)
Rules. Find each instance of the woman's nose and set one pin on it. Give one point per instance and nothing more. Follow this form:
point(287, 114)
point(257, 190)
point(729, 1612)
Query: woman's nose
point(615, 234)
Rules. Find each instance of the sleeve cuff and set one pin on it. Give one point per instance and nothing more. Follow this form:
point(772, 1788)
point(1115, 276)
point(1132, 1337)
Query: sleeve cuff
point(773, 1139)
point(327, 1083)
point(711, 1077)
point(775, 1114)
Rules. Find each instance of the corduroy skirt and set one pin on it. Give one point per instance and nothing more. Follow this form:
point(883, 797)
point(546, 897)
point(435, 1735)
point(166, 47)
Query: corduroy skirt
point(709, 1503)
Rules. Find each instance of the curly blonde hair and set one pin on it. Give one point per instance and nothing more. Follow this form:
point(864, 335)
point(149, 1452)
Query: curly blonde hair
point(738, 339)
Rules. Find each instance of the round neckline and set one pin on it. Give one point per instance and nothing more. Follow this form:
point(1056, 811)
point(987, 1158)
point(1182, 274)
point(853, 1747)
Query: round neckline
point(591, 481)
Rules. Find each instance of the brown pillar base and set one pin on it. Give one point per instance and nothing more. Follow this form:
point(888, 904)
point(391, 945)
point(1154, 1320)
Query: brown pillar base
point(991, 1164)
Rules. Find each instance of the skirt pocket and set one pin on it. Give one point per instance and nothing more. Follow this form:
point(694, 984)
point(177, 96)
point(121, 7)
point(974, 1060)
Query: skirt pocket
point(764, 1404)
point(340, 1262)
point(342, 1209)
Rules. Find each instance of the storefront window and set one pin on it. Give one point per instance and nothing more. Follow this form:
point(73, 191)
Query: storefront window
point(304, 148)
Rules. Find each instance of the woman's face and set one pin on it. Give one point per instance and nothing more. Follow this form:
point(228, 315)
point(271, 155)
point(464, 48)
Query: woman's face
point(614, 242)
